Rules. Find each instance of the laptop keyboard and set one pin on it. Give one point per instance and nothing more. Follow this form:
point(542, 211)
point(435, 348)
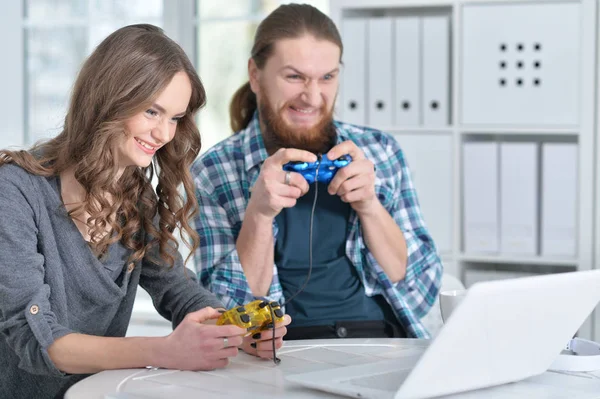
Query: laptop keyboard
point(389, 381)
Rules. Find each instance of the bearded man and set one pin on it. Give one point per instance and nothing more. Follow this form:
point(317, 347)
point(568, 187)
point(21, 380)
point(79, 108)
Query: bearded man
point(373, 270)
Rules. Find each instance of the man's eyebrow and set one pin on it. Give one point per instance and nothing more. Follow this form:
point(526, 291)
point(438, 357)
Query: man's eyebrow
point(293, 69)
point(161, 109)
point(337, 69)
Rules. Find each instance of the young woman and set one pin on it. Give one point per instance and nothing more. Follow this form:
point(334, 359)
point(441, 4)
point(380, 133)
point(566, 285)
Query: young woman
point(81, 227)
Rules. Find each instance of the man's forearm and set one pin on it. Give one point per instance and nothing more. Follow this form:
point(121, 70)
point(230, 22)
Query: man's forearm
point(385, 240)
point(255, 249)
point(85, 354)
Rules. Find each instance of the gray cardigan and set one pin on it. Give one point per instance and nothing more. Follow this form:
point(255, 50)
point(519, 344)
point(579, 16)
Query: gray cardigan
point(51, 285)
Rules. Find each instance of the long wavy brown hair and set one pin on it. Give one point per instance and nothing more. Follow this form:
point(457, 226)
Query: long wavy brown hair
point(288, 21)
point(121, 78)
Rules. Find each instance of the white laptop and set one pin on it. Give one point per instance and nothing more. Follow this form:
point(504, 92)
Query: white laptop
point(503, 331)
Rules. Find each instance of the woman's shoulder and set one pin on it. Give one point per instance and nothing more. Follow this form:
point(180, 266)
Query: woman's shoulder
point(11, 172)
point(19, 177)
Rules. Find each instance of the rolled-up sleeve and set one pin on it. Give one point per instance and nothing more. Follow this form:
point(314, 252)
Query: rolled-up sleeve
point(217, 259)
point(421, 283)
point(26, 318)
point(424, 267)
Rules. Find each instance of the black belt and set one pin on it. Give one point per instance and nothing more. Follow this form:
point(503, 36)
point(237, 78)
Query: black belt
point(347, 329)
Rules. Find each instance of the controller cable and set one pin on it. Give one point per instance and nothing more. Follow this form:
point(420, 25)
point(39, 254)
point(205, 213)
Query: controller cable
point(276, 360)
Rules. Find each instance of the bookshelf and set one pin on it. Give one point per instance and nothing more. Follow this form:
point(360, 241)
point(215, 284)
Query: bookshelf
point(513, 72)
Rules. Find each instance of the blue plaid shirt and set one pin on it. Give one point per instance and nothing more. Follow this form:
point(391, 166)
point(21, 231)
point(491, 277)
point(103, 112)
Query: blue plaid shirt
point(223, 178)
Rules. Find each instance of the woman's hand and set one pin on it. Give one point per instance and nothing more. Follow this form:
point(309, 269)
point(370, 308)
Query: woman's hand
point(198, 346)
point(261, 344)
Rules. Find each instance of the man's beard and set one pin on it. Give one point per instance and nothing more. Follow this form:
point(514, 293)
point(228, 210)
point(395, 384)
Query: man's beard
point(318, 139)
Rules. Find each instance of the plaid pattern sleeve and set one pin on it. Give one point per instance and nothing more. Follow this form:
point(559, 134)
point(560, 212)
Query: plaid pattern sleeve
point(412, 297)
point(222, 191)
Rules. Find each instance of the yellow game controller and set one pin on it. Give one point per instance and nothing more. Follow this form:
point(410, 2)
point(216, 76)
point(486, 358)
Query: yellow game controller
point(254, 316)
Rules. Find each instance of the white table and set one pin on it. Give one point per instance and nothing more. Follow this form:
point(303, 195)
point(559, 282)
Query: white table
point(247, 376)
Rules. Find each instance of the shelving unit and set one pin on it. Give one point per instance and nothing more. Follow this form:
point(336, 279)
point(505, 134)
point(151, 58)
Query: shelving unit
point(408, 130)
point(514, 131)
point(515, 260)
point(564, 110)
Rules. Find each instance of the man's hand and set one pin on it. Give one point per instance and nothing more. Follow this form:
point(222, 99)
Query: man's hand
point(354, 183)
point(271, 194)
point(198, 346)
point(261, 344)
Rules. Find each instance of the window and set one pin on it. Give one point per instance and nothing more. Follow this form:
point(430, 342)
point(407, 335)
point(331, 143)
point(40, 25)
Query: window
point(58, 35)
point(225, 36)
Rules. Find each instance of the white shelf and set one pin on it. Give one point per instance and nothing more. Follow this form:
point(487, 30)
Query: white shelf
point(415, 129)
point(361, 5)
point(524, 131)
point(522, 260)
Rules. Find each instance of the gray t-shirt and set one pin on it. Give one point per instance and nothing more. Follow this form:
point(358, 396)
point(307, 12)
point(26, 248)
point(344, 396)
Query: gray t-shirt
point(51, 285)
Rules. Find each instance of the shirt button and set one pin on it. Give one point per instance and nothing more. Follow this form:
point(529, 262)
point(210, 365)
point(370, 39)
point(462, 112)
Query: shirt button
point(34, 309)
point(341, 332)
point(130, 267)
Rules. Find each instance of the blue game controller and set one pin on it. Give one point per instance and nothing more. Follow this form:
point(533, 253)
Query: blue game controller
point(327, 168)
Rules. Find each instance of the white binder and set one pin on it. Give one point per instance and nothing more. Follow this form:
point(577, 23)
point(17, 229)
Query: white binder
point(559, 200)
point(352, 89)
point(407, 110)
point(436, 70)
point(519, 198)
point(380, 86)
point(480, 185)
point(430, 161)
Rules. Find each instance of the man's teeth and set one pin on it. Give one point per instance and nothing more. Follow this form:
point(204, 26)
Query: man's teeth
point(145, 145)
point(304, 111)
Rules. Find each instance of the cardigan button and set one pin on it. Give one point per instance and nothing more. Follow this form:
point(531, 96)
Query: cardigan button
point(341, 332)
point(34, 309)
